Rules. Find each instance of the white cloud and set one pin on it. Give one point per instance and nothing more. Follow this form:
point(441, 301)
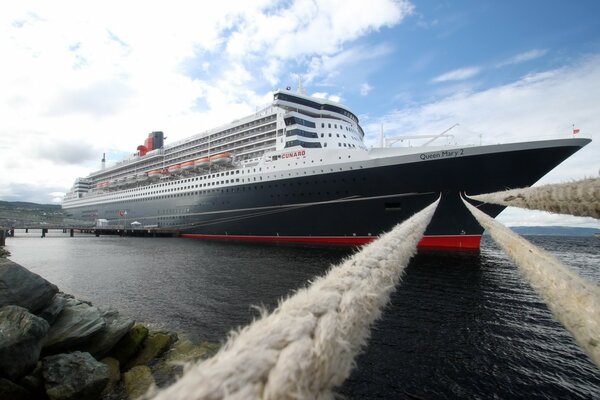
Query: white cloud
point(523, 57)
point(315, 27)
point(82, 79)
point(536, 107)
point(327, 96)
point(365, 89)
point(327, 67)
point(457, 74)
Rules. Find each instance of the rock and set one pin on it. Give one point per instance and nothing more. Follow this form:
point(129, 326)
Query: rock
point(74, 376)
point(51, 311)
point(181, 353)
point(105, 339)
point(34, 382)
point(137, 381)
point(21, 335)
point(75, 325)
point(185, 351)
point(129, 344)
point(114, 372)
point(155, 344)
point(20, 287)
point(11, 391)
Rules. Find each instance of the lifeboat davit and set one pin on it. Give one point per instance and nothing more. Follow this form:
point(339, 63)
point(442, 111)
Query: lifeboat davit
point(186, 166)
point(156, 174)
point(173, 169)
point(201, 163)
point(221, 159)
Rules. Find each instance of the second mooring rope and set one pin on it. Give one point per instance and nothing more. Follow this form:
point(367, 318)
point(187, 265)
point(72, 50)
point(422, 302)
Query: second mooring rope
point(574, 301)
point(580, 198)
point(306, 347)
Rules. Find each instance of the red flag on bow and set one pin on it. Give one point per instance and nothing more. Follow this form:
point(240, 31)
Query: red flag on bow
point(575, 131)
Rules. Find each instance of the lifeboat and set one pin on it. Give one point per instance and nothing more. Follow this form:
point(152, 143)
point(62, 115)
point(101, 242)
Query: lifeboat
point(173, 169)
point(221, 159)
point(156, 174)
point(201, 163)
point(102, 184)
point(186, 166)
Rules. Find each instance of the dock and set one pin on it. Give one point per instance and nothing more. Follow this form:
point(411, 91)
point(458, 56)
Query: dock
point(114, 230)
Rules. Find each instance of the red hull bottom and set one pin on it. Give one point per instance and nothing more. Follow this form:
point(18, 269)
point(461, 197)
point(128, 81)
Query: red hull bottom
point(450, 242)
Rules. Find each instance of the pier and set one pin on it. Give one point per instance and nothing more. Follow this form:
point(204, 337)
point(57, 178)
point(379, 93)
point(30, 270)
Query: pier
point(114, 230)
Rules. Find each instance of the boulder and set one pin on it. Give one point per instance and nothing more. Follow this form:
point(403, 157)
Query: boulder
point(20, 287)
point(186, 352)
point(51, 311)
point(114, 368)
point(183, 352)
point(34, 382)
point(74, 376)
point(106, 338)
point(137, 381)
point(21, 335)
point(155, 344)
point(77, 322)
point(129, 344)
point(11, 391)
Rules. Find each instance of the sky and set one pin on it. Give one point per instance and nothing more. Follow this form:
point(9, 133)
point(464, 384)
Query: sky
point(79, 79)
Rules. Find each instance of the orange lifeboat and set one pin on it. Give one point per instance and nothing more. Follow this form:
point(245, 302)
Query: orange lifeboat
point(201, 163)
point(155, 174)
point(173, 169)
point(221, 158)
point(186, 166)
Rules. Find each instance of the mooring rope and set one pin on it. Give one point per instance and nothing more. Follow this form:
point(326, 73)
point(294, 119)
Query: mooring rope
point(306, 346)
point(580, 198)
point(574, 301)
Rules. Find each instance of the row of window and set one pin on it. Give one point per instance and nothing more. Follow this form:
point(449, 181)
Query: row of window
point(315, 105)
point(299, 121)
point(131, 193)
point(300, 132)
point(214, 139)
point(301, 143)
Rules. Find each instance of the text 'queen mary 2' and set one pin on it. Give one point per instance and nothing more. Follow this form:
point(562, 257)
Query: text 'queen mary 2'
point(298, 171)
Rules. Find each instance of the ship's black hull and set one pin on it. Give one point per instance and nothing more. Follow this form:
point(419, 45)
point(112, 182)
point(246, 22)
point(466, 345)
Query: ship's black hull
point(350, 206)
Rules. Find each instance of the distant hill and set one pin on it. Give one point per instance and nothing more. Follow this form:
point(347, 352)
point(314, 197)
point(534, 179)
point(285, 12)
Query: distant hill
point(555, 230)
point(28, 206)
point(15, 213)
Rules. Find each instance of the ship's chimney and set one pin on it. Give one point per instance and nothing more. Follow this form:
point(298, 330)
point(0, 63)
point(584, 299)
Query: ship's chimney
point(103, 161)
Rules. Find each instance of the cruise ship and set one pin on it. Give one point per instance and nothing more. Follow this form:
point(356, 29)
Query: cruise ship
point(298, 171)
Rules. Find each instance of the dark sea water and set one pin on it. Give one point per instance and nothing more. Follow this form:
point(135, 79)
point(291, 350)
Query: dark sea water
point(460, 325)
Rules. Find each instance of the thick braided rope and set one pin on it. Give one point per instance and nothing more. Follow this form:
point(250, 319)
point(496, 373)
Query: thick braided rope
point(581, 198)
point(574, 301)
point(306, 347)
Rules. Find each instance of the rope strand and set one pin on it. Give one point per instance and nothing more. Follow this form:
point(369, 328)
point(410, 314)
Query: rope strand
point(306, 347)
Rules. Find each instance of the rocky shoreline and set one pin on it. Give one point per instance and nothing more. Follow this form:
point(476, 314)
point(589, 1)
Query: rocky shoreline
point(54, 346)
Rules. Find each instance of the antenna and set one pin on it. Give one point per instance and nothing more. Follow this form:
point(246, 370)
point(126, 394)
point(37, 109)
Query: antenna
point(103, 165)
